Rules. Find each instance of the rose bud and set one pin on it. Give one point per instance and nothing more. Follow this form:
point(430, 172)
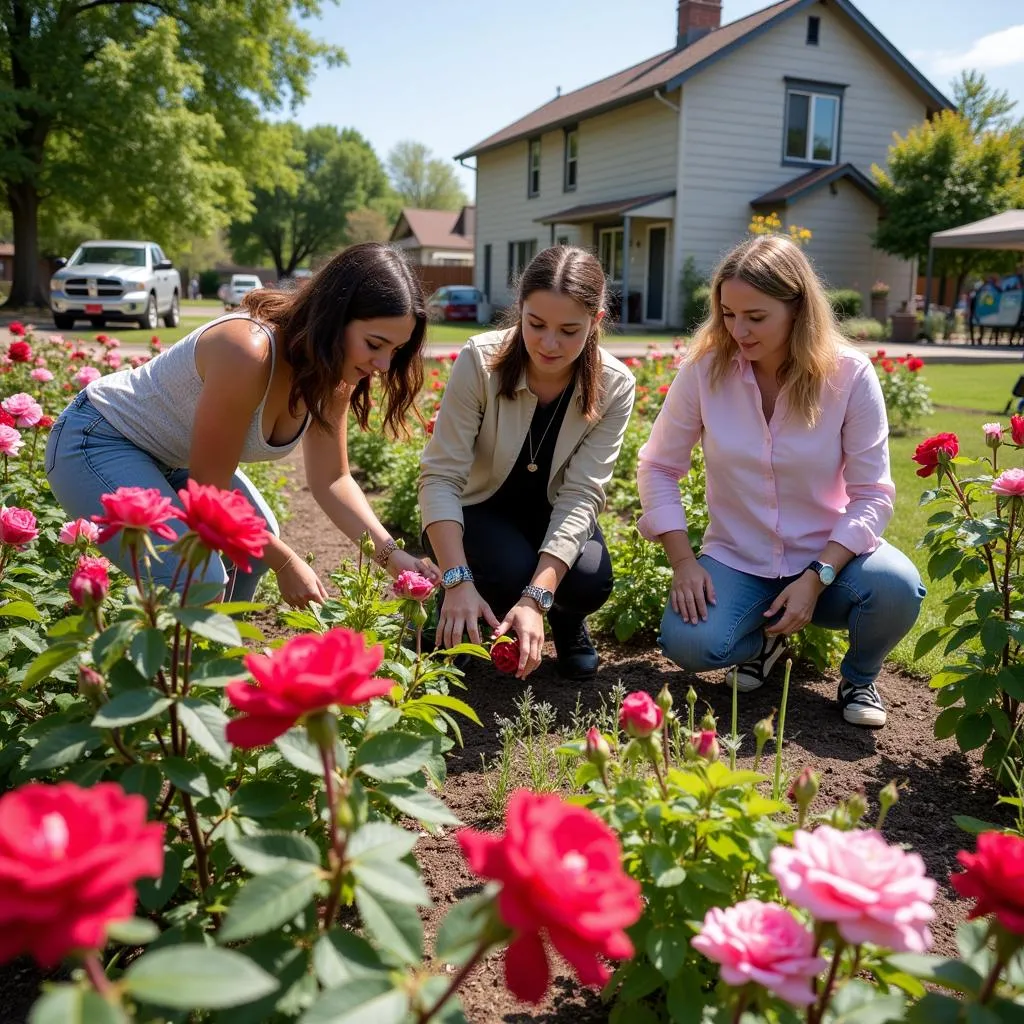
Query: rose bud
point(640, 716)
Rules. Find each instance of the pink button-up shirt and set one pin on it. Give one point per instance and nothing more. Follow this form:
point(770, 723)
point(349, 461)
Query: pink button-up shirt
point(777, 492)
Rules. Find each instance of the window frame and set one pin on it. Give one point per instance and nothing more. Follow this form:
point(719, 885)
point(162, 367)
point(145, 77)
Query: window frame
point(813, 30)
point(571, 134)
point(515, 249)
point(533, 187)
point(812, 90)
point(609, 272)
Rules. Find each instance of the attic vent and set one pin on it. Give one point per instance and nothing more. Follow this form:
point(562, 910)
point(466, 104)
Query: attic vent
point(813, 28)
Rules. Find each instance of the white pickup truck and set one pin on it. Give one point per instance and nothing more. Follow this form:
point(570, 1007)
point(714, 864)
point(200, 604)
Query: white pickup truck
point(116, 280)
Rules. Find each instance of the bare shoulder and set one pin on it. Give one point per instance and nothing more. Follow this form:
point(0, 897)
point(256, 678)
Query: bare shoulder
point(238, 347)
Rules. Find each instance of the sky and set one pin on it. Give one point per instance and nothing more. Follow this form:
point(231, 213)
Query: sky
point(449, 73)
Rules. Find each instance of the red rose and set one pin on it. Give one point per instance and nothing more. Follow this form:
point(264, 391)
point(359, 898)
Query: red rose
point(431, 423)
point(224, 521)
point(307, 674)
point(887, 365)
point(705, 744)
point(928, 452)
point(17, 329)
point(90, 582)
point(69, 860)
point(45, 422)
point(914, 364)
point(6, 419)
point(639, 716)
point(505, 655)
point(20, 352)
point(413, 585)
point(562, 881)
point(17, 526)
point(136, 509)
point(994, 877)
point(1017, 429)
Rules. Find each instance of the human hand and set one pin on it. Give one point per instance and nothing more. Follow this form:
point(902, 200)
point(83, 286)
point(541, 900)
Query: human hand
point(526, 621)
point(798, 599)
point(299, 584)
point(401, 561)
point(692, 591)
point(462, 608)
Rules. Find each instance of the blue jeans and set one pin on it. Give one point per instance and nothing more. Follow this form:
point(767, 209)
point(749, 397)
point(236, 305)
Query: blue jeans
point(86, 457)
point(876, 597)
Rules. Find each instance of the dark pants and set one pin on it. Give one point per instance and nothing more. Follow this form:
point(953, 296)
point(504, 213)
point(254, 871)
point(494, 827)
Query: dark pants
point(502, 554)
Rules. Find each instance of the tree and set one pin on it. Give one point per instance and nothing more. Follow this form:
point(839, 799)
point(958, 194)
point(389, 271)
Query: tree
point(942, 175)
point(422, 181)
point(334, 173)
point(984, 108)
point(143, 115)
point(367, 225)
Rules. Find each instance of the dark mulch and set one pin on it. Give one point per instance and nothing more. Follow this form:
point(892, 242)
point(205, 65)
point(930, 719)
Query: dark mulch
point(938, 781)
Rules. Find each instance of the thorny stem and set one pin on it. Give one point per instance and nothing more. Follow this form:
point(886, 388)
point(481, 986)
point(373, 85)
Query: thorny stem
point(165, 806)
point(653, 758)
point(741, 1005)
point(735, 718)
point(160, 740)
point(202, 864)
point(777, 782)
point(121, 748)
point(98, 977)
point(966, 505)
point(988, 989)
point(816, 1012)
point(176, 648)
point(336, 851)
point(424, 1015)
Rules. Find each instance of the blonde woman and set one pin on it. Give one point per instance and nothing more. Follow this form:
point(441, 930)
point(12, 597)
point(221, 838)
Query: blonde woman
point(793, 426)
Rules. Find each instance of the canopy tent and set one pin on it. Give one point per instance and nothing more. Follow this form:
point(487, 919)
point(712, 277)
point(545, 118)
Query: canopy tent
point(1003, 231)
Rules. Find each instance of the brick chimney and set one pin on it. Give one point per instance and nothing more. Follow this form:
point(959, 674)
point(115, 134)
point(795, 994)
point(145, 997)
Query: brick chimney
point(697, 18)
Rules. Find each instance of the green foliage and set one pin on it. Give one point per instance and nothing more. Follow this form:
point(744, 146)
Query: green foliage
point(694, 295)
point(845, 302)
point(423, 181)
point(399, 500)
point(642, 581)
point(859, 329)
point(209, 283)
point(906, 392)
point(984, 108)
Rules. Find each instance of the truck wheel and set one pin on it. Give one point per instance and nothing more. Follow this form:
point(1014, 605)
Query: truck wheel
point(173, 316)
point(63, 322)
point(150, 320)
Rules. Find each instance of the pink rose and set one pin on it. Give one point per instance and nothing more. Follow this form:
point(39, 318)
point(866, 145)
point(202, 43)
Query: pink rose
point(17, 527)
point(90, 582)
point(136, 510)
point(1017, 429)
point(79, 529)
point(639, 716)
point(86, 375)
point(26, 411)
point(1010, 483)
point(10, 440)
point(873, 892)
point(413, 585)
point(705, 744)
point(993, 434)
point(42, 375)
point(763, 943)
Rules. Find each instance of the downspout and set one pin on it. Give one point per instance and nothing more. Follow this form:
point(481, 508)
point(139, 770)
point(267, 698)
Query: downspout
point(660, 96)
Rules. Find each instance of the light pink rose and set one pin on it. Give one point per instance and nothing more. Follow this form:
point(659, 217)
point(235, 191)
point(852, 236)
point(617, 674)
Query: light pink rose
point(27, 412)
point(1010, 483)
point(993, 431)
point(413, 585)
point(874, 892)
point(17, 527)
point(112, 359)
point(10, 440)
point(41, 374)
point(86, 375)
point(763, 943)
point(78, 529)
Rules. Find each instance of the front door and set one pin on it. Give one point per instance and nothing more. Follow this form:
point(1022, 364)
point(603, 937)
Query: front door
point(654, 303)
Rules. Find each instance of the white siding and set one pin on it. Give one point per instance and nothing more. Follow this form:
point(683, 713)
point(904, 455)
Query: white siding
point(732, 127)
point(623, 153)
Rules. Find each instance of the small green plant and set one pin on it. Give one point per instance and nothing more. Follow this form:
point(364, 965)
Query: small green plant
point(906, 392)
point(642, 581)
point(694, 295)
point(846, 302)
point(398, 504)
point(861, 329)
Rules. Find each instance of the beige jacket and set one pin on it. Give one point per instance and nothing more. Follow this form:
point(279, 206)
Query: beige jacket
point(478, 436)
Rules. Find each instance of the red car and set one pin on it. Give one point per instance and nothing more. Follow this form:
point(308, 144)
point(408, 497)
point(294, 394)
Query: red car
point(455, 302)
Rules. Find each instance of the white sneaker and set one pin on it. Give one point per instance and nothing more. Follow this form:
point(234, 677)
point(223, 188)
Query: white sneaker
point(752, 675)
point(861, 705)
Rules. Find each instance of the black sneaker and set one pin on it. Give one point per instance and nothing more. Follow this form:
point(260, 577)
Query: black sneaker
point(752, 675)
point(861, 705)
point(577, 656)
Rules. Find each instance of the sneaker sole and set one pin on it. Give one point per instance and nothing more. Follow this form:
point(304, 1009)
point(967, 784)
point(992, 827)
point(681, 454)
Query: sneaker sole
point(744, 684)
point(867, 718)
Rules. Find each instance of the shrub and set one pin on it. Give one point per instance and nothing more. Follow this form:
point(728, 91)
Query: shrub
point(846, 302)
point(209, 283)
point(860, 329)
point(694, 294)
point(907, 394)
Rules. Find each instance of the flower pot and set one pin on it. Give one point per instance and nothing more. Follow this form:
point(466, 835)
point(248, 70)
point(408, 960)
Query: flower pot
point(880, 308)
point(904, 327)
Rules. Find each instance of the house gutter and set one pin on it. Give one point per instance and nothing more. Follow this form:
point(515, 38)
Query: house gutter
point(660, 96)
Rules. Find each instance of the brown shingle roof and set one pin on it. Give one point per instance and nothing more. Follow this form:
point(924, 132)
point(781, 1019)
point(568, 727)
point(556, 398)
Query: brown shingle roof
point(434, 229)
point(612, 208)
point(799, 186)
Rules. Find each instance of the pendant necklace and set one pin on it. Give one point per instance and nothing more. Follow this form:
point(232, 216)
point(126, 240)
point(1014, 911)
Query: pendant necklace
point(532, 464)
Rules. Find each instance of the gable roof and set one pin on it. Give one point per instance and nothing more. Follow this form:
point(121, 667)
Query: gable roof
point(668, 70)
point(436, 229)
point(798, 187)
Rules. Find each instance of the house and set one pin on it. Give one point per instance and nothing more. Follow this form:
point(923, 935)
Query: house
point(784, 110)
point(436, 237)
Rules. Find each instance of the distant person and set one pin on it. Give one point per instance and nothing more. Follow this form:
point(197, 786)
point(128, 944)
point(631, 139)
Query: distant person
point(514, 475)
point(248, 387)
point(193, 287)
point(792, 423)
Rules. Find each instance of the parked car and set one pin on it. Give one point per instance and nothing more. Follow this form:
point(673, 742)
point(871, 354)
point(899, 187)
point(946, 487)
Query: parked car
point(116, 280)
point(455, 302)
point(238, 287)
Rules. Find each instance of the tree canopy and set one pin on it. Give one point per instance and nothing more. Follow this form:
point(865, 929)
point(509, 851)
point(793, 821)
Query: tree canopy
point(423, 181)
point(984, 108)
point(145, 114)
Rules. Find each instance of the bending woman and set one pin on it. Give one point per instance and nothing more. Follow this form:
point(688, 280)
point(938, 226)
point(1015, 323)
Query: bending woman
point(248, 387)
point(514, 476)
point(793, 426)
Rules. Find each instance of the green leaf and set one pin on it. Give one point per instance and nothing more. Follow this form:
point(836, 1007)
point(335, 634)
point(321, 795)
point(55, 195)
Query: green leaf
point(946, 722)
point(144, 779)
point(394, 881)
point(993, 635)
point(857, 1002)
point(209, 623)
point(112, 643)
point(972, 731)
point(362, 1001)
point(341, 956)
point(52, 658)
point(380, 841)
point(395, 927)
point(951, 974)
point(270, 901)
point(201, 594)
point(154, 894)
point(72, 1004)
point(196, 977)
point(261, 799)
point(417, 803)
point(131, 707)
point(393, 755)
point(926, 641)
point(64, 745)
point(133, 931)
point(29, 640)
point(943, 562)
point(239, 607)
point(440, 700)
point(267, 851)
point(147, 651)
point(205, 723)
point(300, 751)
point(217, 672)
point(20, 610)
point(975, 826)
point(1011, 680)
point(186, 776)
point(666, 947)
point(462, 928)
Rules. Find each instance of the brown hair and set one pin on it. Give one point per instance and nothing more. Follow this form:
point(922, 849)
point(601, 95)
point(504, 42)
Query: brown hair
point(570, 271)
point(777, 267)
point(361, 282)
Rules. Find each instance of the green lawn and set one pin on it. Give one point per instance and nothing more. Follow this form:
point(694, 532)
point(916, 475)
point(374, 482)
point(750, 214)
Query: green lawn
point(456, 334)
point(972, 385)
point(134, 336)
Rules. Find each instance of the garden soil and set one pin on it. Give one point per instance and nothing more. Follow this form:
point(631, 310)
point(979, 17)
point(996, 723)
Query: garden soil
point(937, 780)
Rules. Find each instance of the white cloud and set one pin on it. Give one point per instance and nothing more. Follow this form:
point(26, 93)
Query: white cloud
point(996, 50)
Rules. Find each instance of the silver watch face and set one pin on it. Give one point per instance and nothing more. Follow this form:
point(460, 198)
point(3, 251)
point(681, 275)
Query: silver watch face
point(452, 577)
point(546, 600)
point(826, 574)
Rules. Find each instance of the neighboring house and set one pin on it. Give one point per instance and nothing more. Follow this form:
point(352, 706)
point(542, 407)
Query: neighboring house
point(784, 110)
point(433, 238)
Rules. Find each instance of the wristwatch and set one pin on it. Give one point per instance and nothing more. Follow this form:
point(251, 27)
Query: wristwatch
point(544, 598)
point(454, 576)
point(826, 573)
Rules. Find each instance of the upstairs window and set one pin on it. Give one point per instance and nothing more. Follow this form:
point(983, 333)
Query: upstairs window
point(812, 125)
point(572, 144)
point(533, 169)
point(813, 29)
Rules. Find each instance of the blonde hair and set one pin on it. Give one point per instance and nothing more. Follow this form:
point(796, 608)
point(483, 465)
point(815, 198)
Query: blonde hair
point(775, 266)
